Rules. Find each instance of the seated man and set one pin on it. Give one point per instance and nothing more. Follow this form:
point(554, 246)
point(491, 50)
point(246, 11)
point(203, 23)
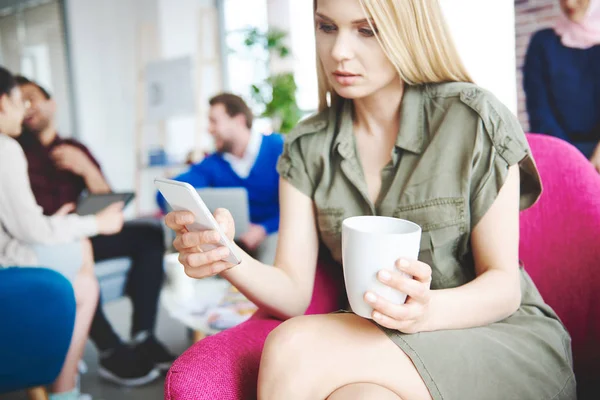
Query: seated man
point(60, 170)
point(243, 159)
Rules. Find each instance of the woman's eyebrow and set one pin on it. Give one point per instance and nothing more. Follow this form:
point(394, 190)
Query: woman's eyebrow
point(322, 16)
point(356, 22)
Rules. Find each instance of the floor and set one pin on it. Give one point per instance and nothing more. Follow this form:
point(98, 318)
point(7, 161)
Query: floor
point(171, 332)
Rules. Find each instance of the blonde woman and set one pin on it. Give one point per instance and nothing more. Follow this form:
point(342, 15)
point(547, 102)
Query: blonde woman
point(405, 134)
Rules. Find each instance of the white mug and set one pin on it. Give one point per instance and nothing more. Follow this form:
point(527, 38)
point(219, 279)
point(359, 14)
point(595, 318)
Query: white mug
point(370, 244)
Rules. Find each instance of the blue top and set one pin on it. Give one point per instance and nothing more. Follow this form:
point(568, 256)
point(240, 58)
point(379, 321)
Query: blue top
point(262, 184)
point(562, 85)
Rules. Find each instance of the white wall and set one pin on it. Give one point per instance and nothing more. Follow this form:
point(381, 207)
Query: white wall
point(181, 29)
point(484, 32)
point(103, 37)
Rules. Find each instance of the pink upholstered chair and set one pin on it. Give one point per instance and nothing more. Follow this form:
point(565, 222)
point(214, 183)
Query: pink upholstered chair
point(560, 247)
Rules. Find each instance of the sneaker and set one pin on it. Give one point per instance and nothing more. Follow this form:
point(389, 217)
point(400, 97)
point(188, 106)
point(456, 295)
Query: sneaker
point(123, 367)
point(154, 352)
point(72, 395)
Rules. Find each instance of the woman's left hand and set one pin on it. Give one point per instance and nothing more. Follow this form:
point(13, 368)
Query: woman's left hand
point(413, 315)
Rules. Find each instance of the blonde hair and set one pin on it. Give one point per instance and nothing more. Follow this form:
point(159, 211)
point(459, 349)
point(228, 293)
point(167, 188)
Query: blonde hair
point(415, 38)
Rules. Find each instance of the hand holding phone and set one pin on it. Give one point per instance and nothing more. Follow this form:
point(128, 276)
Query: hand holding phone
point(209, 246)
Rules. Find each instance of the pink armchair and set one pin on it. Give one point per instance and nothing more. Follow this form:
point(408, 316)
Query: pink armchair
point(559, 245)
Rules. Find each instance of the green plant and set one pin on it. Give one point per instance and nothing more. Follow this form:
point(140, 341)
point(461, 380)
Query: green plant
point(277, 93)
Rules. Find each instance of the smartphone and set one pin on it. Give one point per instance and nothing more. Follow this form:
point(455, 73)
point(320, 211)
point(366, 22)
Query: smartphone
point(182, 196)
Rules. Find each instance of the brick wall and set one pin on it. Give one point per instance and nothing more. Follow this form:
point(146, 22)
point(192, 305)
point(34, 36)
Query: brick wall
point(531, 16)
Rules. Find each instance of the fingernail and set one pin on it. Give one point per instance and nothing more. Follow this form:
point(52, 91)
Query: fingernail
point(385, 275)
point(371, 297)
point(376, 315)
point(404, 263)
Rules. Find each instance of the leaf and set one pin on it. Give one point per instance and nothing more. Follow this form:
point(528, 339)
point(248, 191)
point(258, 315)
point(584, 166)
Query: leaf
point(284, 52)
point(277, 93)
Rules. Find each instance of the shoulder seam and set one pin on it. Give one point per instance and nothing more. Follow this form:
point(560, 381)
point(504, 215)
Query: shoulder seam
point(502, 142)
point(310, 125)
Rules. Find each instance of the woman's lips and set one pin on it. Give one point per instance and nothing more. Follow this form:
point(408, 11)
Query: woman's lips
point(345, 78)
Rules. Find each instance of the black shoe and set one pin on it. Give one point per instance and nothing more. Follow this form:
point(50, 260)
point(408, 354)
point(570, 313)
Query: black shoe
point(122, 366)
point(154, 352)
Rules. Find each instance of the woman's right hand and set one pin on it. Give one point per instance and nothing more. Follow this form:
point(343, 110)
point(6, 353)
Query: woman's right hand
point(110, 220)
point(595, 159)
point(197, 263)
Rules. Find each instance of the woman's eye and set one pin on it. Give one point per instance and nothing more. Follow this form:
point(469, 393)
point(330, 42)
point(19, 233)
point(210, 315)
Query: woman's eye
point(366, 32)
point(327, 28)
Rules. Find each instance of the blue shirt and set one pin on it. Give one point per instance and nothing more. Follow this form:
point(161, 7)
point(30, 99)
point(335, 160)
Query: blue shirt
point(262, 184)
point(562, 85)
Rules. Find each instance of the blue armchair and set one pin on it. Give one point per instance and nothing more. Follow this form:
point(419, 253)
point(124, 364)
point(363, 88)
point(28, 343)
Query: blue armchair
point(37, 316)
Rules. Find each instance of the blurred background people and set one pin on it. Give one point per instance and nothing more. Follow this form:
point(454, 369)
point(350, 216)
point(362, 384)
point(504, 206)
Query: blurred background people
point(60, 171)
point(29, 238)
point(562, 78)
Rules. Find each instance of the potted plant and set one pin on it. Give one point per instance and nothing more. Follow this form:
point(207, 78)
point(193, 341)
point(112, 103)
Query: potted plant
point(277, 93)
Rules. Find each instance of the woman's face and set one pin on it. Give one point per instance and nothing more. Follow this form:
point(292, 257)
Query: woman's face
point(12, 112)
point(352, 58)
point(575, 10)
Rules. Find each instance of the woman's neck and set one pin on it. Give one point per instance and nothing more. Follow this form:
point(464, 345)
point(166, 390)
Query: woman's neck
point(378, 114)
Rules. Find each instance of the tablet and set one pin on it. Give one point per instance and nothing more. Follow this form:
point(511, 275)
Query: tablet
point(94, 203)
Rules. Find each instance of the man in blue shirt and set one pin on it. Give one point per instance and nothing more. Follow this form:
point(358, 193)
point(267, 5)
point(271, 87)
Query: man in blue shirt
point(243, 158)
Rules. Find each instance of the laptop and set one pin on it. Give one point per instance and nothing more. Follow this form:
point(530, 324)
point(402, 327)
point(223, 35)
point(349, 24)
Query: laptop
point(234, 199)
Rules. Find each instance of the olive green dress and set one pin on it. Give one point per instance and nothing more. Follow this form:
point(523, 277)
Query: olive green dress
point(454, 146)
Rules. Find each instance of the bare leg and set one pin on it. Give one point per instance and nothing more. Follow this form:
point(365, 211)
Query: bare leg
point(38, 393)
point(363, 391)
point(86, 294)
point(312, 357)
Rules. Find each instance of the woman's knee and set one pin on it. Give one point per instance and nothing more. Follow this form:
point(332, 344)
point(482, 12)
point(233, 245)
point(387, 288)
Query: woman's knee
point(282, 371)
point(290, 338)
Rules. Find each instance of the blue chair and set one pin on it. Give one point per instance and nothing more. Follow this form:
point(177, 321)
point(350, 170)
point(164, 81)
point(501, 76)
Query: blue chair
point(37, 314)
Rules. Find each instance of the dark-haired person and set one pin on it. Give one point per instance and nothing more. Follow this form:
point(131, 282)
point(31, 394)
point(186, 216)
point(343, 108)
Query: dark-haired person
point(29, 238)
point(243, 158)
point(562, 78)
point(60, 169)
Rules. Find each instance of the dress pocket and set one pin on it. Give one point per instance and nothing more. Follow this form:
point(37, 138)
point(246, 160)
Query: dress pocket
point(435, 213)
point(443, 224)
